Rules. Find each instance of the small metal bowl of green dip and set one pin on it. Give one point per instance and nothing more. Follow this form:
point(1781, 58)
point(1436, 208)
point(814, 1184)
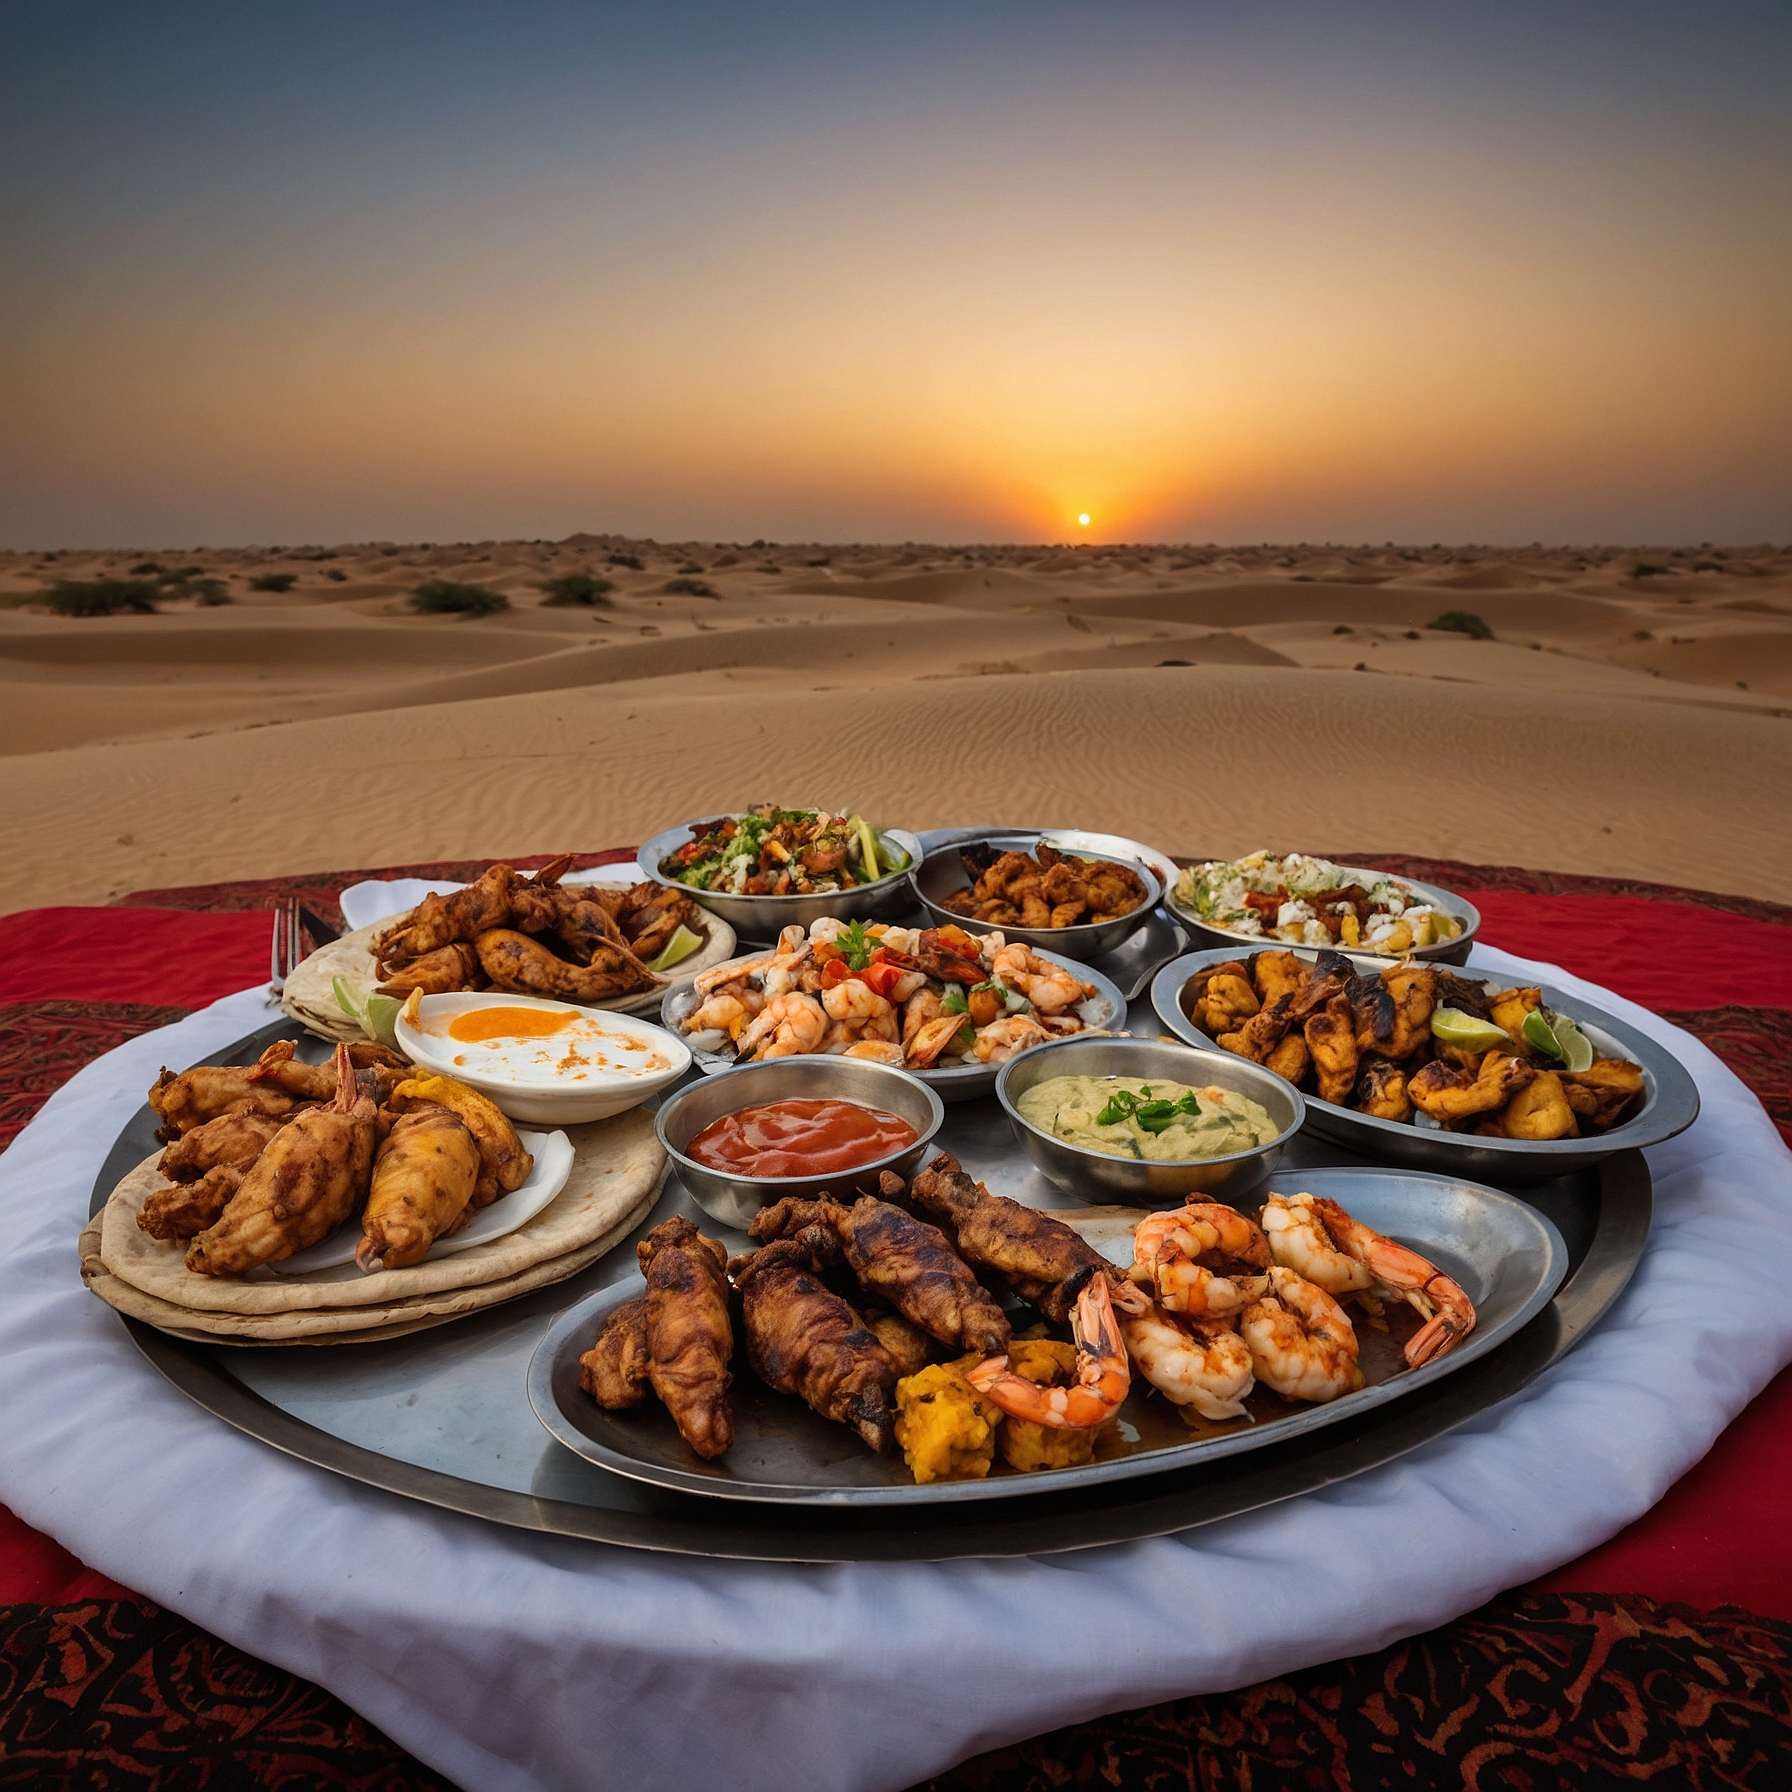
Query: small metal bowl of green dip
point(1099, 1176)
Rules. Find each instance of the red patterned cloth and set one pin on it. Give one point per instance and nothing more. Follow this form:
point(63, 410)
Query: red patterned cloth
point(1665, 1655)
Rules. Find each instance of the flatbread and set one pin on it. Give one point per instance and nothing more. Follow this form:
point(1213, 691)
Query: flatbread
point(617, 1163)
point(309, 996)
point(342, 1325)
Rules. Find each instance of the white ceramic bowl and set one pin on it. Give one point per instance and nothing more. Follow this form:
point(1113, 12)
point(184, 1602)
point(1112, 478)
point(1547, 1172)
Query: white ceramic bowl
point(551, 1095)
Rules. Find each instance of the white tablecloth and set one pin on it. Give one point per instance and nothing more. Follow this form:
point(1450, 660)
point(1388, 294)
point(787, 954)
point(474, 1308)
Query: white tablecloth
point(510, 1660)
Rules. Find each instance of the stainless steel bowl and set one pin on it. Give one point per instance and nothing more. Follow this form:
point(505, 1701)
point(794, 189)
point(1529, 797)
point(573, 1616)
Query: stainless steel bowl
point(733, 1200)
point(1098, 1177)
point(1205, 933)
point(763, 918)
point(942, 873)
point(1670, 1104)
point(957, 1082)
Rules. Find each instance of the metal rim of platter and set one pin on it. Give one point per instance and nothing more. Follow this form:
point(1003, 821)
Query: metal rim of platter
point(1454, 951)
point(1672, 1104)
point(1106, 1009)
point(1605, 1211)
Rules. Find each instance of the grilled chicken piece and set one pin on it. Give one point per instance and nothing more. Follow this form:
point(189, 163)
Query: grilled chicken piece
point(1220, 997)
point(1040, 1257)
point(310, 1177)
point(438, 973)
point(803, 1339)
point(1290, 1060)
point(1381, 1090)
point(1331, 1038)
point(615, 1370)
point(422, 1188)
point(189, 1208)
point(583, 924)
point(1538, 1111)
point(690, 1338)
point(904, 1261)
point(439, 921)
point(515, 962)
point(1605, 1094)
point(1278, 974)
point(1259, 1036)
point(651, 914)
point(907, 1346)
point(232, 1138)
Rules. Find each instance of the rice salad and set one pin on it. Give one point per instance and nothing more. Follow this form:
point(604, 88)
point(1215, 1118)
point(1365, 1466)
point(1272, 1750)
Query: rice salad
point(1312, 902)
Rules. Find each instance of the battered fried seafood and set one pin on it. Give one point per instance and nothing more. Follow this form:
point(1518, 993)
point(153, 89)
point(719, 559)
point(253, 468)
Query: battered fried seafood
point(803, 1339)
point(904, 1261)
point(232, 1138)
point(689, 1336)
point(185, 1209)
point(534, 936)
point(504, 1165)
point(378, 1071)
point(422, 1185)
point(1044, 888)
point(1415, 1038)
point(947, 1430)
point(203, 1093)
point(307, 1181)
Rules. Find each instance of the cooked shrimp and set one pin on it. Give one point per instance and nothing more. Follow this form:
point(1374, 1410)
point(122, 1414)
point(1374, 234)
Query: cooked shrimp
point(917, 1011)
point(1049, 987)
point(861, 1009)
point(1193, 1258)
point(879, 1051)
point(1102, 1375)
point(724, 976)
point(1301, 1340)
point(1300, 1242)
point(725, 1012)
point(1400, 1274)
point(1206, 1366)
point(1010, 1034)
point(931, 1039)
point(787, 1026)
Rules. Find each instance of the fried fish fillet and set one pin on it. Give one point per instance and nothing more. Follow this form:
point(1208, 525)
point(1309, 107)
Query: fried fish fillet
point(906, 1262)
point(309, 1179)
point(690, 1337)
point(422, 1188)
point(1038, 1256)
point(803, 1339)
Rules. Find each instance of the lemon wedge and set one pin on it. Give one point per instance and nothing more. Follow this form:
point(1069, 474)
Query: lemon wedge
point(678, 948)
point(1467, 1031)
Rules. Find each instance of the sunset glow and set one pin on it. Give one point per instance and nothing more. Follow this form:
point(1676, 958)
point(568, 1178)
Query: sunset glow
point(540, 273)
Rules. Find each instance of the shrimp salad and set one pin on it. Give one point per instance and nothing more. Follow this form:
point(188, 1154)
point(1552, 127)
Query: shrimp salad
point(930, 998)
point(1312, 902)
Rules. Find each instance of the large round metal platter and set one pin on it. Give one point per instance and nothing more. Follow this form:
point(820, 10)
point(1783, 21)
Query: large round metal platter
point(1669, 1108)
point(442, 1417)
point(1508, 1257)
point(1206, 933)
point(1105, 1009)
point(765, 917)
point(942, 873)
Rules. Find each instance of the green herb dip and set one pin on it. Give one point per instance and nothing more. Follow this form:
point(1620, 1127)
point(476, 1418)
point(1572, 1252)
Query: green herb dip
point(1158, 1122)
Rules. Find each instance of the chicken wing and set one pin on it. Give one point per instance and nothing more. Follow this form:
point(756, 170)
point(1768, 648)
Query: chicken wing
point(651, 915)
point(1540, 1110)
point(503, 1163)
point(1290, 1060)
point(1259, 1036)
point(438, 973)
point(1331, 1038)
point(524, 966)
point(1449, 1094)
point(439, 921)
point(906, 1262)
point(1038, 1256)
point(1605, 1094)
point(803, 1339)
point(1381, 1091)
point(615, 1370)
point(422, 1184)
point(690, 1338)
point(310, 1177)
point(232, 1138)
point(186, 1209)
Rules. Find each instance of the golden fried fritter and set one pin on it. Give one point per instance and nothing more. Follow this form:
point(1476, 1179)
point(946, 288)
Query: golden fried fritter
point(1331, 1038)
point(1605, 1093)
point(947, 1430)
point(423, 1179)
point(1449, 1094)
point(1540, 1110)
point(232, 1138)
point(185, 1209)
point(503, 1163)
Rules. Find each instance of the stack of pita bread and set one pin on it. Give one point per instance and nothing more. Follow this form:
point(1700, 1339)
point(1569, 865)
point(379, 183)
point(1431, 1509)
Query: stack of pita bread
point(618, 1165)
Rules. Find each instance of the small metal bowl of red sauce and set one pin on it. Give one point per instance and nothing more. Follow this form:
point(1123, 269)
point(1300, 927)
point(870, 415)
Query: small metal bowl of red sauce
point(796, 1126)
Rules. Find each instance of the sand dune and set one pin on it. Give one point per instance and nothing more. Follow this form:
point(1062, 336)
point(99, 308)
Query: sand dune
point(1623, 720)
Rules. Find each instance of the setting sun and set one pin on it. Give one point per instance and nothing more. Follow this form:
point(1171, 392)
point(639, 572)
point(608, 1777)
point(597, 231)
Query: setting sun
point(1083, 518)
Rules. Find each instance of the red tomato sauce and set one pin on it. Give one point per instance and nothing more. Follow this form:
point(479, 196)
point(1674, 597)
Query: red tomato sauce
point(799, 1138)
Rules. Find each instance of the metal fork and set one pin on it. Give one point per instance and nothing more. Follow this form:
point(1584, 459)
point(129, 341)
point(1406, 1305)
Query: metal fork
point(288, 949)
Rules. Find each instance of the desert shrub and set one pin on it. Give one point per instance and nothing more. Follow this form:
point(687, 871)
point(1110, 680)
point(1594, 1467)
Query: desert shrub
point(145, 569)
point(768, 567)
point(576, 588)
point(337, 574)
point(274, 581)
point(1642, 634)
point(103, 597)
point(631, 561)
point(439, 597)
point(389, 552)
point(1462, 622)
point(687, 588)
point(690, 566)
point(1343, 628)
point(1645, 571)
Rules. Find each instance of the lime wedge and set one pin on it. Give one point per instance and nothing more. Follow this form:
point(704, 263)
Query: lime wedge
point(1540, 1036)
point(1577, 1048)
point(680, 946)
point(380, 1021)
point(1468, 1031)
point(346, 999)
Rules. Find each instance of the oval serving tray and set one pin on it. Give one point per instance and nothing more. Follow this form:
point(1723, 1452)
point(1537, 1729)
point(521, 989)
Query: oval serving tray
point(1669, 1108)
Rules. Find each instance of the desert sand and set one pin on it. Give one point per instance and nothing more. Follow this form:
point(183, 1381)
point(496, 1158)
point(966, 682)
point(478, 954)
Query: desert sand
point(1631, 716)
